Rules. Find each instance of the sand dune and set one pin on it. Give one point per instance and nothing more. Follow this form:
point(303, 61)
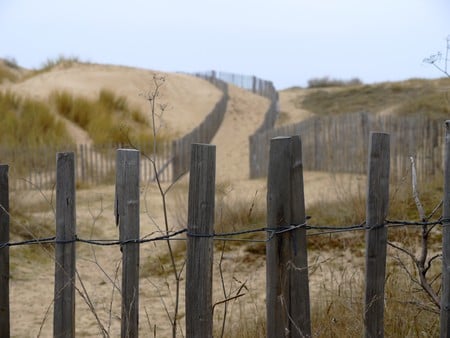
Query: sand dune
point(189, 100)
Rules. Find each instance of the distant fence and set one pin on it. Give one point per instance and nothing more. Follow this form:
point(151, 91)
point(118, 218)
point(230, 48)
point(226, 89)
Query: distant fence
point(34, 167)
point(203, 133)
point(339, 143)
point(287, 298)
point(255, 85)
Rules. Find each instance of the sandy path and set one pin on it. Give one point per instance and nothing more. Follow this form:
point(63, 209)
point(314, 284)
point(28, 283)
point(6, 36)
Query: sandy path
point(290, 110)
point(245, 113)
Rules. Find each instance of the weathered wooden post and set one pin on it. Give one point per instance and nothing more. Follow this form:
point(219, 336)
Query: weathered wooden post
point(4, 252)
point(445, 297)
point(127, 218)
point(64, 308)
point(299, 281)
point(200, 230)
point(277, 248)
point(288, 313)
point(376, 234)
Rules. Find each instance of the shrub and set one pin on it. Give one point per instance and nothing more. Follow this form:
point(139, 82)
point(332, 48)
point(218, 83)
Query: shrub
point(329, 82)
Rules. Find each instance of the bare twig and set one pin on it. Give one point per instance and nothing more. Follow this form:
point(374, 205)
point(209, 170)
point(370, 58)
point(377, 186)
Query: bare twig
point(421, 263)
point(436, 59)
point(156, 111)
point(85, 296)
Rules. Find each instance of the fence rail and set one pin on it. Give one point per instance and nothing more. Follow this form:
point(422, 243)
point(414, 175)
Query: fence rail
point(288, 300)
point(339, 143)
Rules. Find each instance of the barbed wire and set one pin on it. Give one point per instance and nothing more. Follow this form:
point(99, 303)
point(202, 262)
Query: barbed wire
point(271, 232)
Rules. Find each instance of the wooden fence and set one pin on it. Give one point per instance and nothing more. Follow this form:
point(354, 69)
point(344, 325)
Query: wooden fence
point(203, 133)
point(339, 143)
point(287, 299)
point(255, 85)
point(34, 167)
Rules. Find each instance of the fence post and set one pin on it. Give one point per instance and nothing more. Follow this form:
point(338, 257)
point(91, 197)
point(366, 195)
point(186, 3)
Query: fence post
point(299, 281)
point(277, 247)
point(200, 230)
point(445, 297)
point(127, 218)
point(4, 252)
point(64, 308)
point(288, 307)
point(376, 234)
point(82, 159)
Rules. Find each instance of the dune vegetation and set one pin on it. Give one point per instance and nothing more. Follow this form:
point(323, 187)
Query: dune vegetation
point(407, 97)
point(27, 122)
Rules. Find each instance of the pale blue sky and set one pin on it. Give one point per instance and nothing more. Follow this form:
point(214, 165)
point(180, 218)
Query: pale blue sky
point(285, 41)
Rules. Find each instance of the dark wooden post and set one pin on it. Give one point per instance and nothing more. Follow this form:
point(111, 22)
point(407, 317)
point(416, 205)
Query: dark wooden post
point(288, 307)
point(376, 234)
point(300, 324)
point(278, 248)
point(4, 252)
point(64, 309)
point(127, 217)
point(445, 297)
point(200, 228)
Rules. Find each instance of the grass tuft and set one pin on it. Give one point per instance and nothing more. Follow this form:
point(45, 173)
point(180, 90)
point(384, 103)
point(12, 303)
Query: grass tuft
point(108, 119)
point(27, 122)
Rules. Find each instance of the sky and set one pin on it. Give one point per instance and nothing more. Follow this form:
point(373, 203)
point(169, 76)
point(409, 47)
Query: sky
point(284, 41)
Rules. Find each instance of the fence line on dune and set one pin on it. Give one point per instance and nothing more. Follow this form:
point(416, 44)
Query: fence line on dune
point(339, 143)
point(288, 303)
point(203, 133)
point(255, 85)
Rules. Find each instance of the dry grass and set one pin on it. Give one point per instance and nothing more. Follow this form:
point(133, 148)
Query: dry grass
point(51, 63)
point(6, 74)
point(378, 97)
point(27, 122)
point(108, 120)
point(338, 308)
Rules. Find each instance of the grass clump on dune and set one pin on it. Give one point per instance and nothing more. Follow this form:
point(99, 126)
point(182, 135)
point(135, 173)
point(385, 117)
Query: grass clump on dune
point(6, 74)
point(27, 122)
point(62, 61)
point(109, 119)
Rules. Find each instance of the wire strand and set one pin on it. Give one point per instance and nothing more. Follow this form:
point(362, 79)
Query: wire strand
point(270, 232)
